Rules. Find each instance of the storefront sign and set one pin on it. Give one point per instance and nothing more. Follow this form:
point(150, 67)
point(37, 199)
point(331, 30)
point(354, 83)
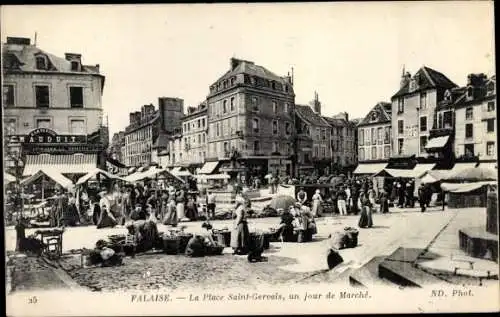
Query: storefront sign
point(411, 131)
point(47, 136)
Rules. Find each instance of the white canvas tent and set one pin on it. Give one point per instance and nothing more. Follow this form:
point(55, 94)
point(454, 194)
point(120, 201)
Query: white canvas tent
point(94, 173)
point(53, 175)
point(7, 178)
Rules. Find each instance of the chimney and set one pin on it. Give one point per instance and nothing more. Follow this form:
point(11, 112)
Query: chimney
point(405, 78)
point(137, 116)
point(234, 63)
point(346, 116)
point(316, 103)
point(131, 117)
point(72, 57)
point(97, 66)
point(18, 40)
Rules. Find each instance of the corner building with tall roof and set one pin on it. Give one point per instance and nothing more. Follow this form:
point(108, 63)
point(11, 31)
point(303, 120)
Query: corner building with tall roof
point(251, 120)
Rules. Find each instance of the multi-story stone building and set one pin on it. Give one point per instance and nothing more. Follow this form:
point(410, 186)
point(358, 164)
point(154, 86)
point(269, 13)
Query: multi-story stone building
point(342, 142)
point(147, 125)
point(117, 146)
point(314, 150)
point(52, 110)
point(475, 119)
point(194, 132)
point(251, 117)
point(374, 139)
point(414, 110)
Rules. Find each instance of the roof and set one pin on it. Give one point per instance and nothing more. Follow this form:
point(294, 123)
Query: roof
point(250, 68)
point(335, 121)
point(161, 141)
point(26, 56)
point(428, 78)
point(383, 114)
point(307, 114)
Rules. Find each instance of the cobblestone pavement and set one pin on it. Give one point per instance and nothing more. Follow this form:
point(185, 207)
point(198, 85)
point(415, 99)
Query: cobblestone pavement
point(158, 271)
point(32, 273)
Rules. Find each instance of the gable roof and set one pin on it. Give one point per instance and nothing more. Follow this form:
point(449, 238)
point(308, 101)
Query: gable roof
point(382, 109)
point(335, 121)
point(250, 68)
point(308, 115)
point(25, 55)
point(428, 78)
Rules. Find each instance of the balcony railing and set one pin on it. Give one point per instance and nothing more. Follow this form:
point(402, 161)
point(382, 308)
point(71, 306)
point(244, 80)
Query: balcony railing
point(433, 133)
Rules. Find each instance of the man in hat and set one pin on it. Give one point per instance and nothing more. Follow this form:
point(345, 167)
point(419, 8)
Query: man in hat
point(422, 197)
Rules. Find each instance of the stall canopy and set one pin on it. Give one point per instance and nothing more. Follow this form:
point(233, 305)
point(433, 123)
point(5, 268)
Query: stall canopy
point(465, 187)
point(489, 165)
point(437, 142)
point(369, 168)
point(461, 166)
point(473, 174)
point(153, 172)
point(181, 173)
point(7, 178)
point(213, 176)
point(92, 174)
point(418, 171)
point(63, 163)
point(208, 168)
point(434, 176)
point(52, 174)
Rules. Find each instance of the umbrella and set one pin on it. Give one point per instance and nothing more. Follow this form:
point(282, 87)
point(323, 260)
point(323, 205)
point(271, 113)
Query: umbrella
point(282, 201)
point(268, 176)
point(473, 174)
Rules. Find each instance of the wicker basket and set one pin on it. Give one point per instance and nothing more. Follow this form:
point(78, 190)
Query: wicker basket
point(171, 244)
point(223, 237)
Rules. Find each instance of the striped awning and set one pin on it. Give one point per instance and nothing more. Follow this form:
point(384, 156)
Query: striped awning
point(62, 163)
point(208, 168)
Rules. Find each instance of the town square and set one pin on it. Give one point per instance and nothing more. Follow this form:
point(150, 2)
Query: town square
point(167, 150)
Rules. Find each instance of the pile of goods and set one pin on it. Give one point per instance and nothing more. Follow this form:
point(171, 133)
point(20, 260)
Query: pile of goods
point(222, 236)
point(103, 254)
point(266, 237)
point(348, 238)
point(199, 246)
point(175, 241)
point(328, 206)
point(223, 214)
point(266, 212)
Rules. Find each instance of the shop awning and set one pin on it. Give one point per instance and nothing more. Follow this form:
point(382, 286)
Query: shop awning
point(437, 142)
point(213, 176)
point(208, 168)
point(435, 176)
point(7, 178)
point(369, 168)
point(464, 187)
point(62, 163)
point(459, 167)
point(489, 165)
point(52, 174)
point(181, 173)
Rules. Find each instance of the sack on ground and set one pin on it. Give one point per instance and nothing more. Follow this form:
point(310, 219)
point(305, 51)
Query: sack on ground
point(333, 259)
point(338, 240)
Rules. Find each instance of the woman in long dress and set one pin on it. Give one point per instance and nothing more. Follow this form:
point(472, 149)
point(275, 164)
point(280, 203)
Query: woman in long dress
point(170, 218)
point(106, 219)
point(240, 236)
point(180, 200)
point(316, 203)
point(365, 219)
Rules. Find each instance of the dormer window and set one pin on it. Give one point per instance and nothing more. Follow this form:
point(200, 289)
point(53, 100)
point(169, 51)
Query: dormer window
point(470, 92)
point(413, 84)
point(491, 87)
point(75, 66)
point(41, 62)
point(447, 95)
point(373, 116)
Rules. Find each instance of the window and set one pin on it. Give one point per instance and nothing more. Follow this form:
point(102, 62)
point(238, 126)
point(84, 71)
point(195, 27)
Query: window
point(76, 97)
point(447, 120)
point(374, 152)
point(374, 136)
point(361, 154)
point(275, 147)
point(380, 135)
point(288, 129)
point(275, 107)
point(323, 134)
point(423, 100)
point(491, 106)
point(490, 125)
point(77, 126)
point(199, 138)
point(400, 126)
point(401, 105)
point(203, 122)
point(423, 124)
point(232, 104)
point(323, 152)
point(255, 125)
point(490, 148)
point(288, 148)
point(367, 136)
point(286, 107)
point(469, 150)
point(42, 96)
point(255, 106)
point(224, 106)
point(423, 143)
point(10, 126)
point(387, 151)
point(400, 146)
point(387, 135)
point(8, 95)
point(275, 127)
point(41, 62)
point(256, 146)
point(218, 129)
point(361, 135)
point(226, 147)
point(469, 113)
point(43, 123)
point(469, 130)
point(203, 137)
point(75, 66)
point(316, 151)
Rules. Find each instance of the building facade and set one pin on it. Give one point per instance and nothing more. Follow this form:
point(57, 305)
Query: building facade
point(374, 134)
point(314, 147)
point(52, 109)
point(117, 145)
point(251, 117)
point(343, 142)
point(194, 132)
point(475, 119)
point(414, 110)
point(147, 125)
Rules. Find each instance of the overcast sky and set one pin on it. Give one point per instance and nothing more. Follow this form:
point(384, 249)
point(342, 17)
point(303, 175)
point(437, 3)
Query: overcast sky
point(351, 53)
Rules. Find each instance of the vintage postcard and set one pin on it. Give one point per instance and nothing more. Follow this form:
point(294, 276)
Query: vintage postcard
point(273, 158)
